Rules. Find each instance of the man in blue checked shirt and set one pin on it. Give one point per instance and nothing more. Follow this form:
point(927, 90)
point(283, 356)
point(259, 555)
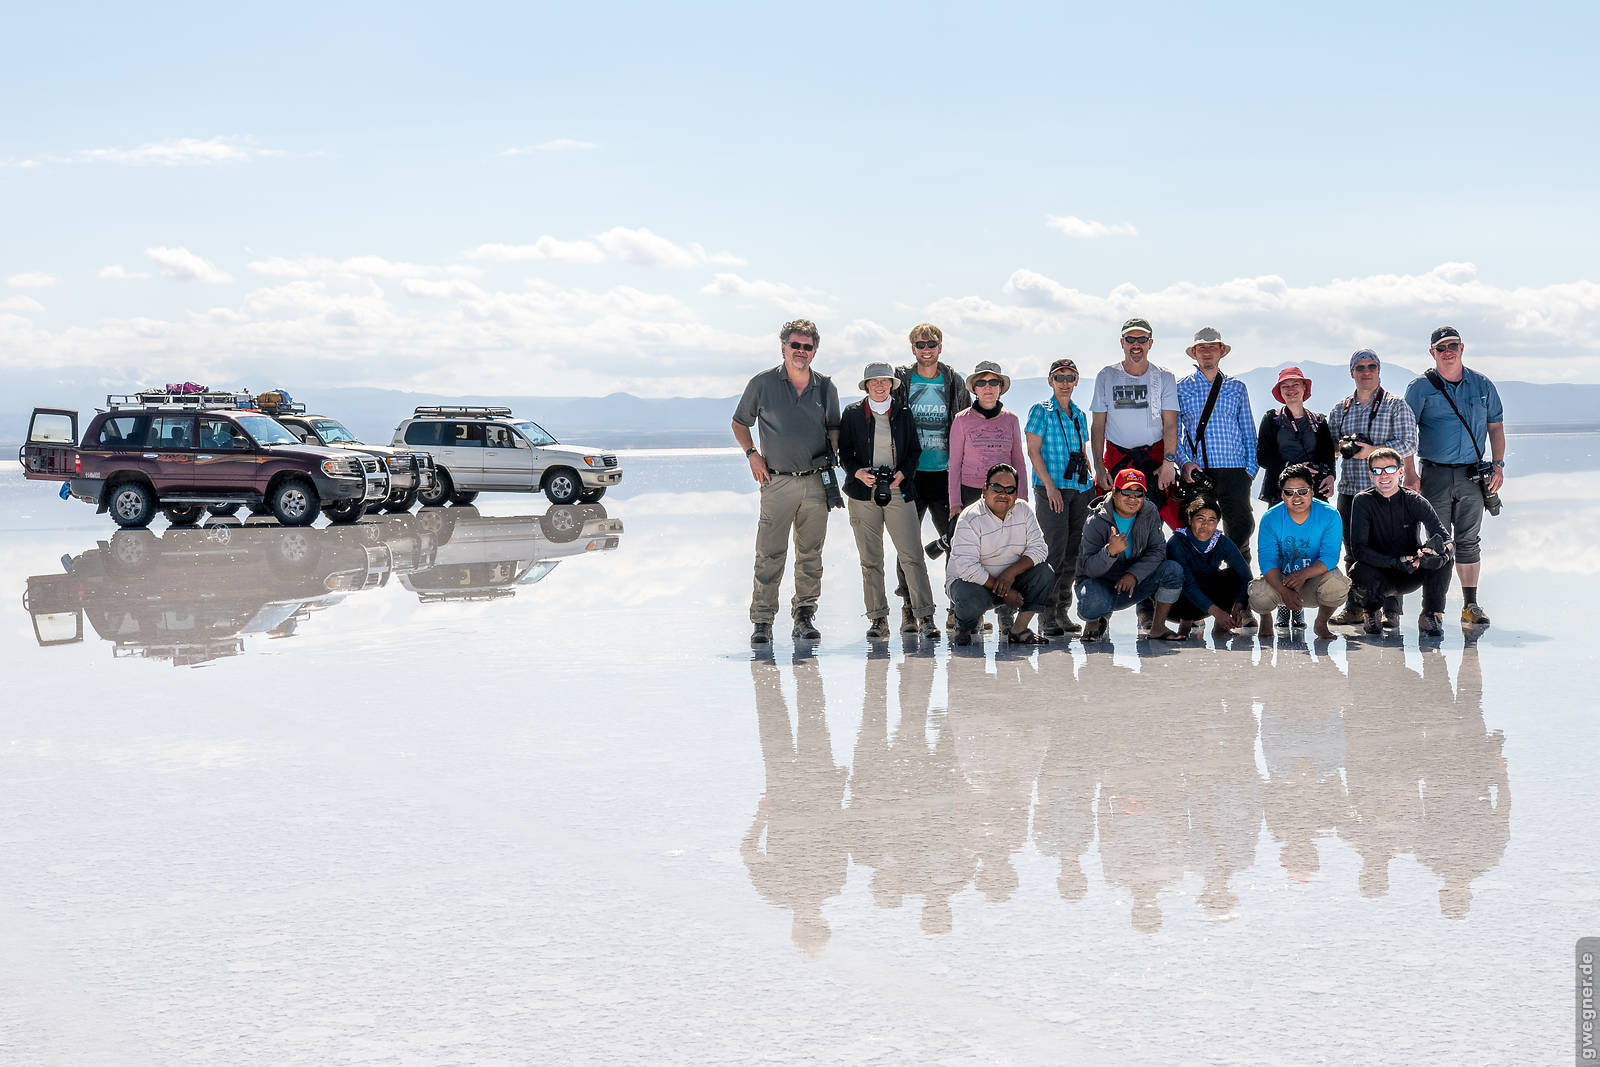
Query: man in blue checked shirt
point(1058, 438)
point(1225, 446)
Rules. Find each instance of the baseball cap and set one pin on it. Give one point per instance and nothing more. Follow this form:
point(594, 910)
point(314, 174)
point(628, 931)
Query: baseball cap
point(1444, 333)
point(1137, 324)
point(1063, 364)
point(1128, 477)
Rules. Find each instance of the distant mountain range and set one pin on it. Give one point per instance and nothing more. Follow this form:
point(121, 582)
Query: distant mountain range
point(623, 420)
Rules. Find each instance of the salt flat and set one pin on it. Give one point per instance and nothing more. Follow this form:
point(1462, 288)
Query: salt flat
point(507, 785)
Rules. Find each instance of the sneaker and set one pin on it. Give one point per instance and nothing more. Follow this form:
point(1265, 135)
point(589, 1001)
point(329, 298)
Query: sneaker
point(1280, 618)
point(908, 620)
point(805, 627)
point(1372, 623)
point(928, 628)
point(1431, 624)
point(1391, 620)
point(963, 635)
point(1297, 618)
point(1096, 630)
point(1250, 621)
point(878, 631)
point(762, 634)
point(1068, 626)
point(1349, 617)
point(1473, 615)
point(1051, 627)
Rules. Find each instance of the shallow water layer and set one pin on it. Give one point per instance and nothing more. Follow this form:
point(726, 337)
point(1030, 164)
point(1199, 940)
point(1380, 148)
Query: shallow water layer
point(506, 784)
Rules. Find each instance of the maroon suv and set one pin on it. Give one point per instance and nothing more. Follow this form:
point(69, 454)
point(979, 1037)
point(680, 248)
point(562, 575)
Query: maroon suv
point(182, 453)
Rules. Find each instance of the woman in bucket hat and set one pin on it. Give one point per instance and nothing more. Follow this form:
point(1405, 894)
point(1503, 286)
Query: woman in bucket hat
point(983, 435)
point(1293, 434)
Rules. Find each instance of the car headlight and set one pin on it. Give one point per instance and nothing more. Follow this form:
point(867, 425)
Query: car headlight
point(399, 463)
point(340, 468)
point(594, 461)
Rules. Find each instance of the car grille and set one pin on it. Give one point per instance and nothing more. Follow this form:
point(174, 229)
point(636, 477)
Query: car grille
point(611, 461)
point(370, 465)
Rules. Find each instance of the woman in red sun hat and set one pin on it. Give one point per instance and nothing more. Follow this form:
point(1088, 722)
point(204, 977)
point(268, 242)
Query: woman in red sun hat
point(1292, 434)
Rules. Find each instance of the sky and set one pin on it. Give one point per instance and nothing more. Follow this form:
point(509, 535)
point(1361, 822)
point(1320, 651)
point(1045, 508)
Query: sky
point(572, 201)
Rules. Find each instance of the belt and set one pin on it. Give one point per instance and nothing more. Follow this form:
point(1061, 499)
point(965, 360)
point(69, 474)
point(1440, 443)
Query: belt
point(1452, 466)
point(798, 474)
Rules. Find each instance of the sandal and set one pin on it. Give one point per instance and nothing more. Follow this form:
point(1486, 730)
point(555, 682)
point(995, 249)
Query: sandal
point(1026, 637)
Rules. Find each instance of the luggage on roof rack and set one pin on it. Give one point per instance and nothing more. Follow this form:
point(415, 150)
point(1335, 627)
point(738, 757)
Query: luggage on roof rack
point(450, 411)
point(278, 402)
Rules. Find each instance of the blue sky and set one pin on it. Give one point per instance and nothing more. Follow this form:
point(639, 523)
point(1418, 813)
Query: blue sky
point(572, 201)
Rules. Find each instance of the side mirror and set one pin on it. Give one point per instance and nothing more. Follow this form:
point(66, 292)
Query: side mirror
point(309, 438)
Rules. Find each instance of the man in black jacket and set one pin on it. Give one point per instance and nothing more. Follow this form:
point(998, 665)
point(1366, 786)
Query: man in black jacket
point(878, 450)
point(934, 394)
point(1390, 559)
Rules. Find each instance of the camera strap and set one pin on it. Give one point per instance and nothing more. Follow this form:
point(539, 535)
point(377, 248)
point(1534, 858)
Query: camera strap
point(1434, 377)
point(1205, 417)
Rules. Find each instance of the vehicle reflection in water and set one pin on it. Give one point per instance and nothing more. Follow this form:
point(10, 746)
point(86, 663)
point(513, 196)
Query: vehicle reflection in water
point(1154, 770)
point(190, 596)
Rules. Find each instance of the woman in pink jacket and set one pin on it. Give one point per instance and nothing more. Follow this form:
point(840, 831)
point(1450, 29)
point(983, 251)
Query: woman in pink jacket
point(983, 435)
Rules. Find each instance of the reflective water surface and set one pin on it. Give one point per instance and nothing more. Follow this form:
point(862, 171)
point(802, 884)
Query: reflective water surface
point(506, 784)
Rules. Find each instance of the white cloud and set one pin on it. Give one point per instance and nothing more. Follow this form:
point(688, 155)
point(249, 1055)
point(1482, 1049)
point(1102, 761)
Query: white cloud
point(180, 151)
point(118, 273)
point(185, 266)
point(443, 289)
point(560, 144)
point(24, 304)
point(545, 248)
point(32, 279)
point(354, 267)
point(645, 249)
point(784, 296)
point(1073, 226)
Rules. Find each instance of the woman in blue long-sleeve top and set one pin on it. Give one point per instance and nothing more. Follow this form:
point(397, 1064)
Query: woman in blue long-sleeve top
point(1216, 576)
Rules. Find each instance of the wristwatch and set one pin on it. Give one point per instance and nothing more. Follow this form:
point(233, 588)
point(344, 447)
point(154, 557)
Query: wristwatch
point(1172, 459)
point(750, 451)
point(1500, 463)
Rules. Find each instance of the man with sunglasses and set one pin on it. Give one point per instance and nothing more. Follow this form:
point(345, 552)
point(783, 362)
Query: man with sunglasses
point(1135, 419)
point(1370, 418)
point(1122, 559)
point(1390, 559)
point(798, 413)
point(934, 394)
point(997, 558)
point(1457, 410)
point(1298, 551)
point(1218, 436)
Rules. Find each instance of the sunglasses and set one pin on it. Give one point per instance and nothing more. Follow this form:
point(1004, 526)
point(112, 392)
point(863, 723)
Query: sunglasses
point(1130, 492)
point(987, 383)
point(1297, 492)
point(1065, 379)
point(1365, 368)
point(1390, 469)
point(1003, 490)
point(1448, 346)
point(926, 344)
point(802, 346)
point(1136, 340)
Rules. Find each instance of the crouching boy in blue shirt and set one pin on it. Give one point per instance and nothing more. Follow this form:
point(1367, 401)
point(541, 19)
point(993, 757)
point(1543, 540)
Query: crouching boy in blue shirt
point(1298, 548)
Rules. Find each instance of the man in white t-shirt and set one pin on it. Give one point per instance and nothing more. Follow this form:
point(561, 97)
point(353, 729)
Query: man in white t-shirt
point(1135, 420)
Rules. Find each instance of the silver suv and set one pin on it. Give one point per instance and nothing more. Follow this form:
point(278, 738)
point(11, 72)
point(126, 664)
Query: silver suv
point(477, 449)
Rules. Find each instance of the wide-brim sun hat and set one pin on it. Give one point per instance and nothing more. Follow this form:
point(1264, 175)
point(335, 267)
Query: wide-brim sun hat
point(1289, 374)
point(984, 370)
point(1208, 335)
point(876, 369)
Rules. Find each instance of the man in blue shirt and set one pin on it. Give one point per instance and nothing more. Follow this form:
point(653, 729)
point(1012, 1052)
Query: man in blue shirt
point(1225, 447)
point(1450, 447)
point(1298, 550)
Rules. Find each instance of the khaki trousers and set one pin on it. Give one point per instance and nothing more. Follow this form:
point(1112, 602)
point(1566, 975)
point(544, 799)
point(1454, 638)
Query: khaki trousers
point(789, 503)
point(869, 521)
point(1326, 590)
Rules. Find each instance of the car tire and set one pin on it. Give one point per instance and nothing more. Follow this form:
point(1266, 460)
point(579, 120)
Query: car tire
point(463, 499)
point(224, 511)
point(186, 515)
point(131, 552)
point(562, 485)
point(132, 505)
point(439, 495)
point(589, 496)
point(294, 502)
point(345, 512)
point(402, 504)
point(561, 524)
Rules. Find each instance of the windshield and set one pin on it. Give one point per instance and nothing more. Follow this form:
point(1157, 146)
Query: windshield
point(537, 435)
point(333, 433)
point(266, 431)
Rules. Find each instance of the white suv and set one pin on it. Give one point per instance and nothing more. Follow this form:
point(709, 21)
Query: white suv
point(489, 449)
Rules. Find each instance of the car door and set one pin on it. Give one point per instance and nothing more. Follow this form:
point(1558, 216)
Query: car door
point(225, 461)
point(462, 452)
point(168, 454)
point(507, 459)
point(51, 450)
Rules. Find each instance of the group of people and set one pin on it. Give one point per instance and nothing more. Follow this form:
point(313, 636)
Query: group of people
point(1413, 476)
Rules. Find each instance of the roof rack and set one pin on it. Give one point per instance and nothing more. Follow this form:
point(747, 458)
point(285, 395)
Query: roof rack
point(276, 402)
point(462, 412)
point(156, 399)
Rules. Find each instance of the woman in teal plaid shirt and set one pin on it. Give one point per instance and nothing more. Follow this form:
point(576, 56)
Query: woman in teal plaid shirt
point(1057, 435)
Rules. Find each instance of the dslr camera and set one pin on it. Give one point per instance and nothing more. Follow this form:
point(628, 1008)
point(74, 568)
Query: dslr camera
point(882, 489)
point(937, 548)
point(1351, 443)
point(1483, 474)
point(1187, 491)
point(830, 480)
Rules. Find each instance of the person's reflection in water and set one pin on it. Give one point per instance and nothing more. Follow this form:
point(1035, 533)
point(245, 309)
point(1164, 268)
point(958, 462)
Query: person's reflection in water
point(1383, 753)
point(795, 849)
point(1302, 739)
point(909, 807)
point(1063, 817)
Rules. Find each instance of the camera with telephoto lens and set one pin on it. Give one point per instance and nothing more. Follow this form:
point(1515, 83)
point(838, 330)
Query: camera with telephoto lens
point(937, 548)
point(882, 486)
point(1188, 490)
point(830, 481)
point(1483, 474)
point(1351, 443)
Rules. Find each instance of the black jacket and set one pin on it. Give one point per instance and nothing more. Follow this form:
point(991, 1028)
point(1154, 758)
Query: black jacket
point(1278, 444)
point(857, 428)
point(1382, 529)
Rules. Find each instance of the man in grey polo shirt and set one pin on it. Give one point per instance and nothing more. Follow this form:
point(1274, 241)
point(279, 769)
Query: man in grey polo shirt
point(1451, 453)
point(798, 413)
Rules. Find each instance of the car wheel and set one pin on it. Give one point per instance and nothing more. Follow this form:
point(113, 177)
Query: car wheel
point(131, 551)
point(561, 524)
point(185, 516)
point(132, 505)
point(589, 496)
point(401, 503)
point(223, 511)
point(463, 498)
point(562, 485)
point(294, 502)
point(439, 495)
point(345, 512)
point(293, 552)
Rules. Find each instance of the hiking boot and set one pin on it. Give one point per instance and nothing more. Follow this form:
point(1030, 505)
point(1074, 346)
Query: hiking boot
point(878, 631)
point(1431, 624)
point(1372, 623)
point(1391, 620)
point(762, 634)
point(805, 626)
point(928, 628)
point(1350, 616)
point(1067, 625)
point(963, 635)
point(1051, 627)
point(951, 624)
point(1472, 615)
point(908, 620)
point(1096, 630)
